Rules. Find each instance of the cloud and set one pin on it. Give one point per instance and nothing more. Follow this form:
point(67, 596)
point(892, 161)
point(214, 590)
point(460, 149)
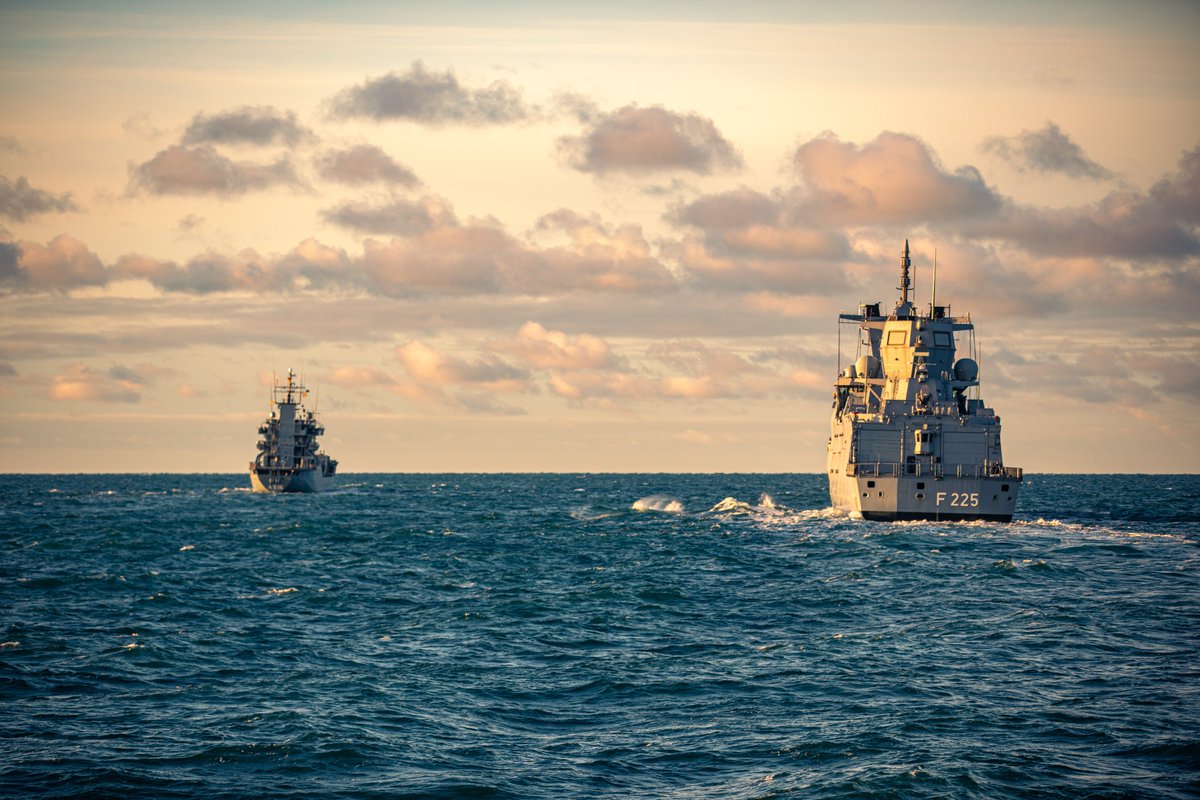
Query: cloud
point(397, 217)
point(1048, 150)
point(645, 140)
point(894, 180)
point(595, 256)
point(452, 261)
point(309, 265)
point(190, 223)
point(430, 98)
point(1092, 374)
point(140, 125)
point(1053, 79)
point(363, 164)
point(10, 144)
point(83, 383)
point(739, 208)
point(436, 377)
point(679, 370)
point(584, 369)
point(19, 201)
point(63, 264)
point(556, 350)
point(481, 258)
point(797, 240)
point(255, 125)
point(751, 242)
point(429, 365)
point(358, 377)
point(202, 170)
point(1157, 224)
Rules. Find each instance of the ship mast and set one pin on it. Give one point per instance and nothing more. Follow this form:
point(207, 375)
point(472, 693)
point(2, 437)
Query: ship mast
point(904, 308)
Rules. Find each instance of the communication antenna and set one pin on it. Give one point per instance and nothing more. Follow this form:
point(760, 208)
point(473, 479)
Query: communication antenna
point(933, 297)
point(905, 263)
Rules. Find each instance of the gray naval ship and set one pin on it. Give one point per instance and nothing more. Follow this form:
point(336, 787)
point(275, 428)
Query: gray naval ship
point(910, 438)
point(288, 459)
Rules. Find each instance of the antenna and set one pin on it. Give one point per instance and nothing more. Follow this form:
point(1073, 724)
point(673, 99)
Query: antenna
point(933, 298)
point(905, 263)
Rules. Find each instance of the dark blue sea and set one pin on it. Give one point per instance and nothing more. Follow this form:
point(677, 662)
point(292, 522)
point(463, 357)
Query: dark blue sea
point(593, 636)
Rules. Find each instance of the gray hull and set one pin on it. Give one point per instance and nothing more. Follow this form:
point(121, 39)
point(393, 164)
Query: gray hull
point(906, 497)
point(299, 481)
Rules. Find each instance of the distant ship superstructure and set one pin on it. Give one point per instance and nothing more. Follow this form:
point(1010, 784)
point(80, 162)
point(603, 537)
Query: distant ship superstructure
point(907, 439)
point(289, 459)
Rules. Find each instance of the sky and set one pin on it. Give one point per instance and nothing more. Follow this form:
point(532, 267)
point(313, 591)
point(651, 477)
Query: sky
point(544, 236)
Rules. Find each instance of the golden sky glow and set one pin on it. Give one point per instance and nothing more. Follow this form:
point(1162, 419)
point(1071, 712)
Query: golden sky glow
point(538, 238)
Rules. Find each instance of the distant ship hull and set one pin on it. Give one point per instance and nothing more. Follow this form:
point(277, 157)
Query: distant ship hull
point(289, 459)
point(290, 481)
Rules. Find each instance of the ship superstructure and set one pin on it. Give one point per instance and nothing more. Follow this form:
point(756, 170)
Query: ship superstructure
point(289, 459)
point(910, 437)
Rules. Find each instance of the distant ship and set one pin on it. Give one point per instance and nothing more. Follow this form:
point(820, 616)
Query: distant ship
point(288, 458)
point(908, 440)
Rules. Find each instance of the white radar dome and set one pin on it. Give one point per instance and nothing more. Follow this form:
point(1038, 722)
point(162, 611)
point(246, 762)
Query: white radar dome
point(867, 366)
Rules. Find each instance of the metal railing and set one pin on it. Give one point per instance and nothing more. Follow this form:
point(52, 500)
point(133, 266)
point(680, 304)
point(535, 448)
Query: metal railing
point(917, 469)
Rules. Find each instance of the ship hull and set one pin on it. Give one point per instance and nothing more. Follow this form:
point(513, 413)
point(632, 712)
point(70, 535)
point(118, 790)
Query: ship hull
point(289, 481)
point(937, 499)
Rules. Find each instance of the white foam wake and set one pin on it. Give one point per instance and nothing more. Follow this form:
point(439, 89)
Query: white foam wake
point(658, 502)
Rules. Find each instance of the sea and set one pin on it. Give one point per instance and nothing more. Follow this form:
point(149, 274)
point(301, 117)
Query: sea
point(593, 636)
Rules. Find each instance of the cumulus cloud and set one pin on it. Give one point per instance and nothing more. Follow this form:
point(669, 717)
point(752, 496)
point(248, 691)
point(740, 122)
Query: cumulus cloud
point(750, 242)
point(1048, 150)
point(739, 208)
point(429, 365)
point(63, 264)
point(894, 180)
point(556, 350)
point(83, 383)
point(202, 170)
point(364, 164)
point(19, 201)
point(465, 260)
point(481, 258)
point(638, 140)
point(255, 125)
point(1159, 223)
point(309, 264)
point(431, 98)
point(437, 377)
point(397, 216)
point(596, 256)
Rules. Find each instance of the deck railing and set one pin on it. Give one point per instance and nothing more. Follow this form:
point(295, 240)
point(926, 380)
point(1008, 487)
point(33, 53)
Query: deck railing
point(917, 469)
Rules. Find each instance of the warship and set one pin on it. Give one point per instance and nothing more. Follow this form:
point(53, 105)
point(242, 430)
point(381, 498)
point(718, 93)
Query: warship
point(910, 437)
point(288, 459)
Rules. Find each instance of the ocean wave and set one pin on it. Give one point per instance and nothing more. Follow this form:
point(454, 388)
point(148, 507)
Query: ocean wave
point(768, 647)
point(658, 502)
